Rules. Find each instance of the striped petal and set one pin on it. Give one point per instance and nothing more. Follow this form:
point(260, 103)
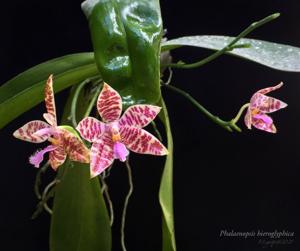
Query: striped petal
point(50, 119)
point(75, 148)
point(266, 104)
point(139, 115)
point(270, 89)
point(102, 155)
point(27, 131)
point(49, 100)
point(109, 104)
point(263, 122)
point(140, 141)
point(90, 129)
point(57, 157)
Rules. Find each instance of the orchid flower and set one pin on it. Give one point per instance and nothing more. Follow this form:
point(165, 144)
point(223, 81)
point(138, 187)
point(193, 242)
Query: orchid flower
point(259, 106)
point(63, 141)
point(113, 137)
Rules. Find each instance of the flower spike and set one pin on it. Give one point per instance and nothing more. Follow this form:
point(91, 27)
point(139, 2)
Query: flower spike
point(260, 105)
point(113, 137)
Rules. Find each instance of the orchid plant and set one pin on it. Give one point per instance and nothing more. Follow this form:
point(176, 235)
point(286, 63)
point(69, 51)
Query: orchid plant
point(124, 72)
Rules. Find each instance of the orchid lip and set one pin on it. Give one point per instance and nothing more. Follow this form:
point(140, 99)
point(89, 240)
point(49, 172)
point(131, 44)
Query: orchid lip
point(38, 156)
point(120, 151)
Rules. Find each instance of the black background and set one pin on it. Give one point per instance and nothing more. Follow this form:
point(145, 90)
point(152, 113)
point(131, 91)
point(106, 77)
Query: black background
point(222, 181)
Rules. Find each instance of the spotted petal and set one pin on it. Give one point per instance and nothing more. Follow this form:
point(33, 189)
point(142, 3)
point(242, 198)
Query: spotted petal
point(50, 119)
point(50, 102)
point(75, 148)
point(263, 122)
point(140, 141)
point(27, 131)
point(102, 155)
point(270, 89)
point(57, 157)
point(91, 129)
point(266, 104)
point(109, 104)
point(139, 115)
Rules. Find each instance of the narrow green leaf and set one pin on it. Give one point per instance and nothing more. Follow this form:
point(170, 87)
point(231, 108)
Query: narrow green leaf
point(80, 220)
point(166, 188)
point(27, 89)
point(277, 56)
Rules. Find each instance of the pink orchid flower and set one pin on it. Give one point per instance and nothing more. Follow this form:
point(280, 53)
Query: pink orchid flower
point(112, 137)
point(63, 142)
point(259, 106)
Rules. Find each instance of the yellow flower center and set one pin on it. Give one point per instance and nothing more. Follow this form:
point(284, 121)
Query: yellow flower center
point(115, 134)
point(116, 137)
point(254, 111)
point(53, 141)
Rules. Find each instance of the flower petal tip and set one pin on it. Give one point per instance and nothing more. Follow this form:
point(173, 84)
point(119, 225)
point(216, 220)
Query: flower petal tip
point(283, 105)
point(16, 134)
point(93, 175)
point(165, 151)
point(105, 85)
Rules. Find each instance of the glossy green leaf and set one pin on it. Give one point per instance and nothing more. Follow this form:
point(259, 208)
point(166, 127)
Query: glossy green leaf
point(166, 188)
point(126, 36)
point(80, 219)
point(277, 56)
point(27, 89)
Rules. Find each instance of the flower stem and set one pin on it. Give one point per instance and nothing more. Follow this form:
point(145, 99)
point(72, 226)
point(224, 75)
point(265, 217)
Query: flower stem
point(93, 101)
point(38, 182)
point(48, 192)
point(104, 190)
point(75, 98)
point(237, 117)
point(126, 204)
point(228, 125)
point(156, 131)
point(228, 47)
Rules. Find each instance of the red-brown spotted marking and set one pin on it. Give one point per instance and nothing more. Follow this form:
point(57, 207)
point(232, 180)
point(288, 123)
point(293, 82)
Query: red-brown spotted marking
point(109, 104)
point(140, 141)
point(91, 129)
point(26, 132)
point(139, 115)
point(49, 99)
point(101, 155)
point(57, 157)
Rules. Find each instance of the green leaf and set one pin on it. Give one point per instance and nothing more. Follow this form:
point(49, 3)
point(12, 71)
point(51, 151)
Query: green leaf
point(166, 188)
point(80, 219)
point(27, 89)
point(277, 56)
point(126, 37)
